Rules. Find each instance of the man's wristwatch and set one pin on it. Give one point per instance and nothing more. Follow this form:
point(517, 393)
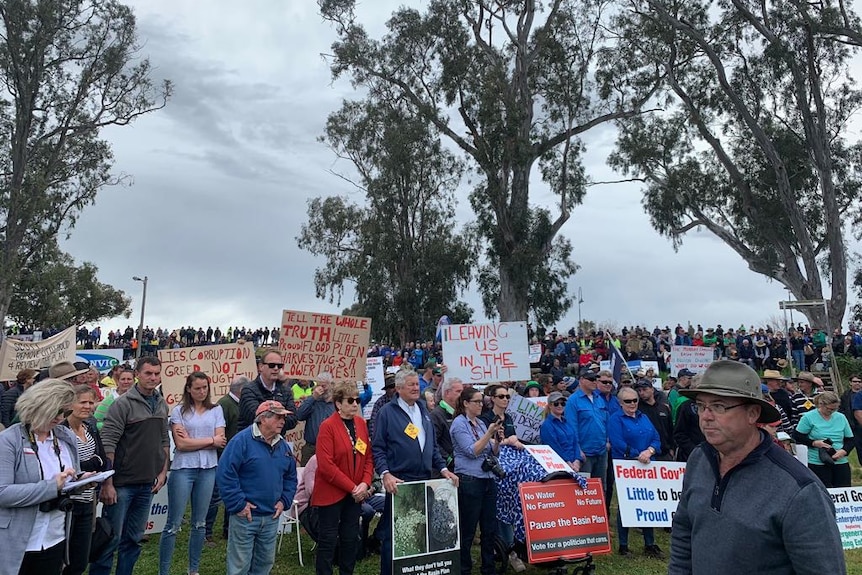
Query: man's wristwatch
point(651, 449)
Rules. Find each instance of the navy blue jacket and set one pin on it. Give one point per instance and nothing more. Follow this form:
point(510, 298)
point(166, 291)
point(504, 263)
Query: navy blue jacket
point(396, 452)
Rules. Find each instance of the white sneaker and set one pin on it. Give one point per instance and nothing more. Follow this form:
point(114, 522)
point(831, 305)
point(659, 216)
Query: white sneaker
point(516, 563)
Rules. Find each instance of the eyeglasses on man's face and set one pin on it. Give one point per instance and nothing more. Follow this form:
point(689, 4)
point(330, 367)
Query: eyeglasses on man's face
point(715, 408)
point(273, 365)
point(629, 401)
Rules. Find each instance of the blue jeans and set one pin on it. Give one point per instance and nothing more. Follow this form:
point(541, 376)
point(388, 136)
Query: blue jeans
point(597, 467)
point(251, 545)
point(799, 358)
point(128, 517)
point(477, 505)
point(184, 484)
point(623, 533)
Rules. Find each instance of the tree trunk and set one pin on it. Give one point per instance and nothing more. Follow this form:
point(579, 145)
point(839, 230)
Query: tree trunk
point(512, 303)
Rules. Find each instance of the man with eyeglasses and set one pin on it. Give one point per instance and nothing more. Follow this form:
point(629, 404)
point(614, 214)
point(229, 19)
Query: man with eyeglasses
point(747, 505)
point(267, 386)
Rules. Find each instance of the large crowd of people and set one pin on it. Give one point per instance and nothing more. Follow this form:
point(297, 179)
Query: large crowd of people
point(425, 425)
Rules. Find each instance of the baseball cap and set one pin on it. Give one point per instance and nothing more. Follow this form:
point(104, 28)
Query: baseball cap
point(685, 372)
point(271, 406)
point(555, 396)
point(588, 373)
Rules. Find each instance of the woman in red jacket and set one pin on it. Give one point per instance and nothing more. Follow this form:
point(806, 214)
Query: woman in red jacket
point(344, 468)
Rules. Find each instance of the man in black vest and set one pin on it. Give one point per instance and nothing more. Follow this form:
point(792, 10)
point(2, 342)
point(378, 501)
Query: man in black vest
point(266, 386)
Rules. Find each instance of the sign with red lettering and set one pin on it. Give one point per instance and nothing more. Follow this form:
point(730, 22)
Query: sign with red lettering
point(563, 521)
point(487, 353)
point(314, 342)
point(648, 494)
point(223, 363)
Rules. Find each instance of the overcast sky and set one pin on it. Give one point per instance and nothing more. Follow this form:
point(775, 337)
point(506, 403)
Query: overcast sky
point(220, 179)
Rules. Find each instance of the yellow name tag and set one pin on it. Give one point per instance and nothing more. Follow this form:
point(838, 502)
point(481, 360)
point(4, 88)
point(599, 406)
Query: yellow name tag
point(360, 446)
point(412, 431)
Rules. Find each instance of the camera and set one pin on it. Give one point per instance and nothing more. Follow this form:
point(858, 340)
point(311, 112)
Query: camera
point(492, 464)
point(63, 504)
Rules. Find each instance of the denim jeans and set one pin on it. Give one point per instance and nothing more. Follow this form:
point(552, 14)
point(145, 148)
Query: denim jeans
point(251, 545)
point(128, 517)
point(477, 505)
point(799, 358)
point(184, 484)
point(597, 467)
point(623, 533)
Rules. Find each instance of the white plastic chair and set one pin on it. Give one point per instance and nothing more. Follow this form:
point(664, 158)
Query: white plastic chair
point(291, 523)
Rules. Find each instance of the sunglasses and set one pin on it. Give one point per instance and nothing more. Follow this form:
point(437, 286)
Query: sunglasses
point(274, 365)
point(560, 403)
point(506, 396)
point(351, 400)
point(629, 400)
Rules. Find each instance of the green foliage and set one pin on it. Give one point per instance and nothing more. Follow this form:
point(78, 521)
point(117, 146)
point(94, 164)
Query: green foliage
point(511, 85)
point(399, 249)
point(54, 291)
point(70, 69)
point(751, 144)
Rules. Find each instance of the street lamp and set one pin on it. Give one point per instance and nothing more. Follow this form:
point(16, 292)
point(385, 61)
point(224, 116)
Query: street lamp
point(141, 325)
point(580, 301)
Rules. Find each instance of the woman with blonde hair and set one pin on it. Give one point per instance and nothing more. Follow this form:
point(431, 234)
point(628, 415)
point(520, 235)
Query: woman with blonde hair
point(827, 434)
point(37, 457)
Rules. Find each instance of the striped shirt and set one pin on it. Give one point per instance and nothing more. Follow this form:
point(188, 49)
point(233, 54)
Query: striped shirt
point(86, 451)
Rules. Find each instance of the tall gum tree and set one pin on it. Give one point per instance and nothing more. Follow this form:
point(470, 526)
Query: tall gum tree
point(399, 248)
point(751, 144)
point(68, 69)
point(511, 84)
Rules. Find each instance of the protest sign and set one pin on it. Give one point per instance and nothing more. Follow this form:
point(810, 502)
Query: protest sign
point(425, 531)
point(101, 359)
point(16, 355)
point(314, 342)
point(535, 352)
point(374, 378)
point(563, 521)
point(691, 357)
point(527, 416)
point(848, 514)
point(648, 494)
point(223, 363)
point(296, 439)
point(487, 353)
point(158, 515)
point(547, 458)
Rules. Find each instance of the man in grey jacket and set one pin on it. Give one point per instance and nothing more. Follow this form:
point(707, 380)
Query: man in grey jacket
point(748, 506)
point(135, 436)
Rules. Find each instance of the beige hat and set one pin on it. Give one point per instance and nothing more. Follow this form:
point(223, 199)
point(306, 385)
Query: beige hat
point(773, 374)
point(727, 378)
point(806, 376)
point(65, 370)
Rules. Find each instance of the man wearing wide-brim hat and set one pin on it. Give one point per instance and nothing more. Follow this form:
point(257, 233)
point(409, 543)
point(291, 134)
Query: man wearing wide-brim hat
point(774, 382)
point(747, 505)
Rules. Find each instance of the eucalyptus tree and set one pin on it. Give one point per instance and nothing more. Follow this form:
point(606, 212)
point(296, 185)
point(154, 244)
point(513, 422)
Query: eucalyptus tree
point(398, 247)
point(512, 85)
point(752, 144)
point(68, 69)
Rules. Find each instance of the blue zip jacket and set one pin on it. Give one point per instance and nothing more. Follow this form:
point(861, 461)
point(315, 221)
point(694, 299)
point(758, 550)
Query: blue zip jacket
point(397, 452)
point(250, 470)
point(590, 418)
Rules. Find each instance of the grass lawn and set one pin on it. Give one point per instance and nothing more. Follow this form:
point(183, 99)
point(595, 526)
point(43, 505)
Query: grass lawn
point(287, 560)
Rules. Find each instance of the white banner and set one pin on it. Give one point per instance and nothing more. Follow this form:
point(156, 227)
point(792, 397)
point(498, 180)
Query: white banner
point(16, 355)
point(848, 514)
point(101, 359)
point(374, 378)
point(547, 458)
point(648, 494)
point(535, 352)
point(692, 357)
point(487, 353)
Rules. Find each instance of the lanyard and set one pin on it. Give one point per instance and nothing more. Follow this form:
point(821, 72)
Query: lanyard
point(35, 447)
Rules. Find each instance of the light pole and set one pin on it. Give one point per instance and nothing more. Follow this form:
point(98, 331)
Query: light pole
point(580, 301)
point(141, 325)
